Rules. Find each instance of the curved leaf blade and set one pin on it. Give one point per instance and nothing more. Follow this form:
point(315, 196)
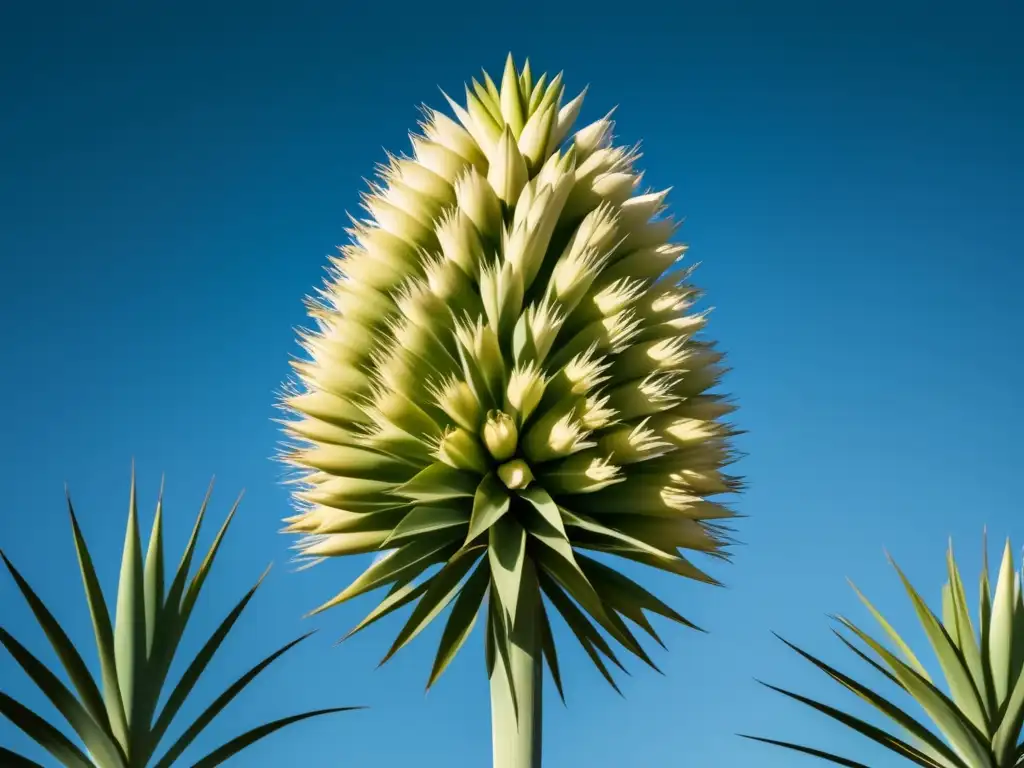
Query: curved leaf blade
point(443, 588)
point(237, 744)
point(835, 759)
point(97, 740)
point(199, 664)
point(44, 734)
point(461, 620)
point(130, 626)
point(71, 660)
point(104, 635)
point(207, 716)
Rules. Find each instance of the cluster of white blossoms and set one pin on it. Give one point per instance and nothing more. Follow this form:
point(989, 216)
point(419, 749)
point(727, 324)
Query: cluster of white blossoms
point(506, 373)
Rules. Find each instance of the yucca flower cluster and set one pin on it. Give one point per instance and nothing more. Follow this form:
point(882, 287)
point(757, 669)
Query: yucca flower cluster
point(506, 373)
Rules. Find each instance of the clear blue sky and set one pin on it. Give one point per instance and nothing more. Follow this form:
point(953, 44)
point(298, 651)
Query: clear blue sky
point(173, 175)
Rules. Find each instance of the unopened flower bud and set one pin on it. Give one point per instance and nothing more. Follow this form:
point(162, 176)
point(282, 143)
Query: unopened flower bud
point(500, 435)
point(515, 474)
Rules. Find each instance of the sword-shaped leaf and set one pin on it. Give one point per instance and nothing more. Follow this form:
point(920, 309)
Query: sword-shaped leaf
point(198, 666)
point(207, 716)
point(237, 744)
point(1010, 728)
point(496, 615)
point(507, 551)
point(154, 574)
point(957, 728)
point(104, 634)
point(402, 593)
point(14, 760)
point(547, 641)
point(490, 502)
point(954, 667)
point(835, 759)
point(461, 620)
point(427, 519)
point(980, 721)
point(587, 634)
point(438, 482)
point(561, 565)
point(887, 708)
point(967, 640)
point(99, 742)
point(444, 586)
point(874, 733)
point(130, 627)
point(134, 658)
point(1000, 639)
point(411, 559)
point(44, 734)
point(71, 660)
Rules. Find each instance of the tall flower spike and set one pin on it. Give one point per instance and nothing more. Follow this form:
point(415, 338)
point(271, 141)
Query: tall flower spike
point(506, 380)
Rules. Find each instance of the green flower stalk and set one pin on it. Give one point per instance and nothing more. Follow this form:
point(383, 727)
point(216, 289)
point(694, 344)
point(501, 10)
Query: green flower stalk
point(116, 722)
point(505, 384)
point(976, 711)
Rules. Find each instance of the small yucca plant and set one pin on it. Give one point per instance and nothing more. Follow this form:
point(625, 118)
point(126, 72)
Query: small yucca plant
point(506, 374)
point(977, 716)
point(118, 721)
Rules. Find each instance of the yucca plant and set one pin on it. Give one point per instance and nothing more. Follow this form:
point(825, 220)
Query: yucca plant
point(977, 715)
point(117, 722)
point(506, 374)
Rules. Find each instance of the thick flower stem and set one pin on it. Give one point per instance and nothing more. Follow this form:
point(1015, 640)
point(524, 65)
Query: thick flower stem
point(517, 740)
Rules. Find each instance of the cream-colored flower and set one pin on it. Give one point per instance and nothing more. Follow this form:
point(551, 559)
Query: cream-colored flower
point(506, 376)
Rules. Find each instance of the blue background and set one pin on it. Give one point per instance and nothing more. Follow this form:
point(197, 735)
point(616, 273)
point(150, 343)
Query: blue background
point(173, 176)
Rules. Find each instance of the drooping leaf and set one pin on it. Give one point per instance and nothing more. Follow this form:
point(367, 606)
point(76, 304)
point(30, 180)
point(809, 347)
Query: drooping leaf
point(612, 583)
point(587, 634)
point(497, 620)
point(402, 592)
point(443, 588)
point(413, 558)
point(550, 652)
point(460, 620)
